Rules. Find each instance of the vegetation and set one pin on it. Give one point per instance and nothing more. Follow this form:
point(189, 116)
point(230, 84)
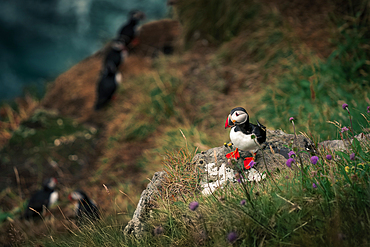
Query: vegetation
point(240, 53)
point(322, 201)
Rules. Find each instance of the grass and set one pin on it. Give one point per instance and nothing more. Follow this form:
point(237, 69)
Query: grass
point(322, 85)
point(189, 95)
point(216, 21)
point(323, 203)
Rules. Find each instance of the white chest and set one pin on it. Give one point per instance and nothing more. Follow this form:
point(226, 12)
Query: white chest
point(243, 141)
point(118, 78)
point(53, 198)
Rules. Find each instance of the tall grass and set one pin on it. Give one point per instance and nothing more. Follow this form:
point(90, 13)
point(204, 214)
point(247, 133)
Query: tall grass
point(312, 92)
point(323, 203)
point(216, 21)
point(319, 201)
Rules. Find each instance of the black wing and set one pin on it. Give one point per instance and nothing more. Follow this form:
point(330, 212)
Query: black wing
point(106, 88)
point(37, 202)
point(260, 132)
point(87, 209)
point(113, 56)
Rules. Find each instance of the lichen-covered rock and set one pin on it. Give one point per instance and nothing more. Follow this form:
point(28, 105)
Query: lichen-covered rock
point(281, 143)
point(340, 145)
point(271, 156)
point(217, 169)
point(275, 152)
point(136, 226)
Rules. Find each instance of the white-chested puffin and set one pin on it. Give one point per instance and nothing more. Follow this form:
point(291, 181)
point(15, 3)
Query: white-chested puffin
point(41, 199)
point(129, 31)
point(85, 208)
point(242, 132)
point(107, 85)
point(117, 52)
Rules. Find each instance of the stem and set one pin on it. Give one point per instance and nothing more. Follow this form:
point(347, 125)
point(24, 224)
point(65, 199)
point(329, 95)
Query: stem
point(300, 159)
point(350, 119)
point(268, 172)
point(242, 179)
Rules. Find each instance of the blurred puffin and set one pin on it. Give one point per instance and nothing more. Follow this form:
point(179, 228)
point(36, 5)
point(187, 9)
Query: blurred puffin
point(117, 52)
point(242, 132)
point(42, 198)
point(129, 31)
point(85, 208)
point(107, 85)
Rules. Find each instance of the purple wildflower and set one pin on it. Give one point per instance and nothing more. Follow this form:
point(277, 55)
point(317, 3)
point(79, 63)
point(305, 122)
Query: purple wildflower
point(368, 109)
point(289, 162)
point(314, 160)
point(291, 119)
point(158, 230)
point(193, 205)
point(252, 163)
point(344, 106)
point(291, 153)
point(242, 202)
point(344, 129)
point(232, 236)
point(314, 185)
point(352, 156)
point(329, 157)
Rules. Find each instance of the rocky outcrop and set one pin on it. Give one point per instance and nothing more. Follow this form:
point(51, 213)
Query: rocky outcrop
point(271, 156)
point(217, 169)
point(136, 225)
point(341, 145)
point(275, 151)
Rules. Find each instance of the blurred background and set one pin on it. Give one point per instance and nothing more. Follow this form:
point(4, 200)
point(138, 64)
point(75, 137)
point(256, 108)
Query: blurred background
point(41, 39)
point(278, 59)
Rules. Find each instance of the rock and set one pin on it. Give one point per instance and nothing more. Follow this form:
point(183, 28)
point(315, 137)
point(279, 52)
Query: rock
point(217, 170)
point(272, 156)
point(279, 142)
point(340, 145)
point(136, 226)
point(275, 150)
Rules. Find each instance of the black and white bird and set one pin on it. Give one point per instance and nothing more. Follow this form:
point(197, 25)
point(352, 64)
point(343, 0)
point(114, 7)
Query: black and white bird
point(42, 199)
point(117, 52)
point(129, 31)
point(107, 86)
point(242, 131)
point(85, 208)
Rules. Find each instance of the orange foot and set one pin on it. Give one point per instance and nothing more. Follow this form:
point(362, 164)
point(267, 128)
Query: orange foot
point(235, 154)
point(249, 162)
point(135, 42)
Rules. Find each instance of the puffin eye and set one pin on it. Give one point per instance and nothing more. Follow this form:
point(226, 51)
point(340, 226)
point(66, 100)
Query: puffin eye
point(237, 114)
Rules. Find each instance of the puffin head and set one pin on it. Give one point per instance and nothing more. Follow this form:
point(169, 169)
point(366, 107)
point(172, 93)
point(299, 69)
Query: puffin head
point(50, 183)
point(137, 15)
point(77, 196)
point(237, 116)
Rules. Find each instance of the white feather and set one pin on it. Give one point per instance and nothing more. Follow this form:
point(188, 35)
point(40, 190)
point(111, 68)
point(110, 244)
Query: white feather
point(118, 78)
point(53, 198)
point(243, 141)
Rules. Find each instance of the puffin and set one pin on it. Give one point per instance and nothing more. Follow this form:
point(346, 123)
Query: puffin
point(244, 135)
point(117, 52)
point(41, 199)
point(85, 208)
point(129, 31)
point(107, 85)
